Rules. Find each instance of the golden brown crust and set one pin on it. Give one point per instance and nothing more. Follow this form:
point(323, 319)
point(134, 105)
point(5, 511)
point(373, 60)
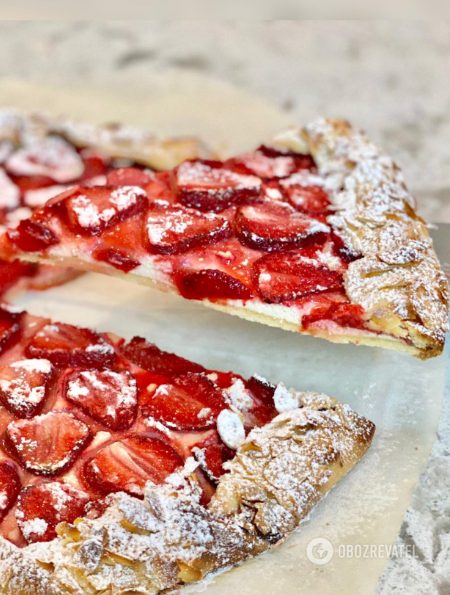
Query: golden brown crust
point(398, 281)
point(113, 140)
point(280, 472)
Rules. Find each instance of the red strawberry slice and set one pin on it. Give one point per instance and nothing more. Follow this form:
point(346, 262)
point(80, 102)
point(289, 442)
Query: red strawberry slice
point(126, 466)
point(175, 229)
point(109, 397)
point(32, 236)
point(343, 314)
point(26, 183)
point(308, 199)
point(117, 258)
point(94, 165)
point(342, 249)
point(211, 455)
point(10, 328)
point(41, 508)
point(69, 346)
point(10, 487)
point(264, 408)
point(128, 176)
point(211, 284)
point(262, 389)
point(149, 357)
point(48, 444)
point(192, 402)
point(89, 211)
point(24, 386)
point(206, 186)
point(289, 276)
point(117, 246)
point(267, 163)
point(276, 226)
point(160, 188)
point(52, 157)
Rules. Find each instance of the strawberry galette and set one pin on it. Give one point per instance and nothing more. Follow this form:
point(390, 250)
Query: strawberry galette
point(42, 157)
point(125, 469)
point(318, 235)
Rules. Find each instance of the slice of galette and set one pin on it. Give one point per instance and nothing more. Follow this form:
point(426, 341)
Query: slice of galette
point(41, 157)
point(126, 469)
point(317, 235)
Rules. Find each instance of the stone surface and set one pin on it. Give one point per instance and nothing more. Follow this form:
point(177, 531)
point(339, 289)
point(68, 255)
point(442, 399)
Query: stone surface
point(392, 78)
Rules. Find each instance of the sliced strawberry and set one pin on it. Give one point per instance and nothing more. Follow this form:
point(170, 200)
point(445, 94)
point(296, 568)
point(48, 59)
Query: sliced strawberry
point(192, 402)
point(267, 163)
point(212, 454)
point(264, 409)
point(128, 176)
point(160, 188)
point(10, 328)
point(273, 226)
point(289, 276)
point(11, 272)
point(51, 156)
point(32, 236)
point(211, 284)
point(109, 397)
point(31, 183)
point(66, 345)
point(343, 314)
point(10, 487)
point(262, 389)
point(126, 466)
point(94, 165)
point(308, 199)
point(342, 249)
point(175, 229)
point(41, 508)
point(206, 186)
point(116, 258)
point(24, 386)
point(48, 444)
point(89, 211)
point(149, 357)
point(117, 246)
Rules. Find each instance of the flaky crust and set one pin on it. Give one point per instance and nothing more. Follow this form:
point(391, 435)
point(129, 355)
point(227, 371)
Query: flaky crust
point(113, 140)
point(398, 281)
point(169, 539)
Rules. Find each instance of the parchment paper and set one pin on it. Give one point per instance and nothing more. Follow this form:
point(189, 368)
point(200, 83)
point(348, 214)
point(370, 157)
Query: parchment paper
point(403, 396)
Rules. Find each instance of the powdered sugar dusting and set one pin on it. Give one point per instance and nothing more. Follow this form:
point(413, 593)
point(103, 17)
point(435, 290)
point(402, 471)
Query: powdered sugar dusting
point(284, 399)
point(230, 428)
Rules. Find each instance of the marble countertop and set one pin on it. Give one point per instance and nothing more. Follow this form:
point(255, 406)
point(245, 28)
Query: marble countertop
point(391, 78)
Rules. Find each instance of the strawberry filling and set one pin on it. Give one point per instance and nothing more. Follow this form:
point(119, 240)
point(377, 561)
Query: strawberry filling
point(207, 186)
point(31, 176)
point(127, 465)
point(273, 226)
point(84, 415)
point(175, 229)
point(289, 276)
point(257, 226)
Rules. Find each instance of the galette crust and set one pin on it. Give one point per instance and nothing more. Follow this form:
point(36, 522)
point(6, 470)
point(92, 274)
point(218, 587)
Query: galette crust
point(169, 539)
point(398, 280)
point(113, 140)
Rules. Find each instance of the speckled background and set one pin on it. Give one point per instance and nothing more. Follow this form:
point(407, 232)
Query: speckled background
point(391, 78)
